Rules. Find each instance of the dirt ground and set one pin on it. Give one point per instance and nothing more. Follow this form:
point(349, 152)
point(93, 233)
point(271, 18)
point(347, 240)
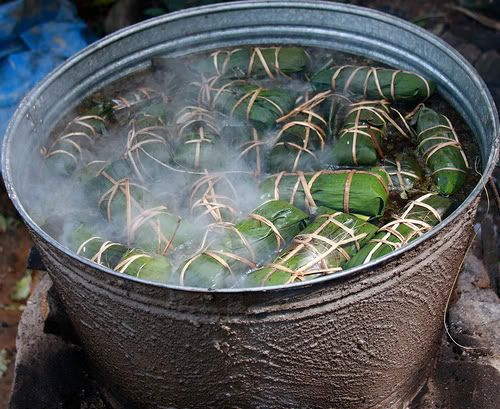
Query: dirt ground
point(474, 40)
point(15, 244)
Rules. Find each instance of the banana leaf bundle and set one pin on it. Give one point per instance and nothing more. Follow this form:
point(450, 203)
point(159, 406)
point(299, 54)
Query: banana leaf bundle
point(241, 247)
point(146, 222)
point(419, 217)
point(374, 83)
point(200, 151)
point(403, 174)
point(323, 247)
point(252, 148)
point(198, 144)
point(120, 258)
point(99, 177)
point(147, 147)
point(360, 139)
point(271, 62)
point(261, 106)
point(146, 266)
point(202, 91)
point(214, 199)
point(441, 150)
point(134, 99)
point(301, 138)
point(66, 152)
point(351, 191)
point(190, 118)
point(95, 248)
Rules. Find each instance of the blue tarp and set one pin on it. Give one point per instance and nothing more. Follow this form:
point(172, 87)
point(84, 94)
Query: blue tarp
point(35, 37)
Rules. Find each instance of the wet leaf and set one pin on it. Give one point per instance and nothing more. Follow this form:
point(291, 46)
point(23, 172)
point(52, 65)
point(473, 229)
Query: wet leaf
point(11, 307)
point(154, 11)
point(4, 362)
point(22, 288)
point(6, 222)
point(423, 21)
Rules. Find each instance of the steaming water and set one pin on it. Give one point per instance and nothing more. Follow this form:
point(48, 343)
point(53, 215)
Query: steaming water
point(60, 201)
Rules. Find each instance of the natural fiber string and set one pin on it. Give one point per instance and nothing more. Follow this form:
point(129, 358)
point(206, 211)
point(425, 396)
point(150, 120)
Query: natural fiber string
point(113, 191)
point(192, 116)
point(136, 142)
point(138, 96)
point(448, 301)
point(105, 246)
point(308, 105)
point(399, 172)
point(373, 72)
point(347, 190)
point(225, 62)
point(305, 241)
point(356, 128)
point(148, 216)
point(71, 138)
point(447, 142)
point(124, 264)
point(218, 255)
point(253, 96)
point(274, 229)
point(212, 202)
point(307, 186)
point(255, 144)
point(391, 227)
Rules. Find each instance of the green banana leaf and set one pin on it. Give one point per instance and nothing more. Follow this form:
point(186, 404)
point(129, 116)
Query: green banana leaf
point(260, 106)
point(95, 248)
point(147, 147)
point(299, 142)
point(99, 176)
point(198, 144)
point(145, 221)
point(251, 146)
point(66, 152)
point(241, 247)
point(201, 151)
point(219, 197)
point(374, 83)
point(403, 174)
point(193, 117)
point(418, 218)
point(321, 248)
point(351, 191)
point(360, 140)
point(134, 99)
point(146, 266)
point(257, 62)
point(441, 150)
point(120, 258)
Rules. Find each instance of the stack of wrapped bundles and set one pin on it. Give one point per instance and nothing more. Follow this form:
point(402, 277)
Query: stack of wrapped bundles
point(253, 167)
point(118, 257)
point(323, 247)
point(241, 247)
point(418, 218)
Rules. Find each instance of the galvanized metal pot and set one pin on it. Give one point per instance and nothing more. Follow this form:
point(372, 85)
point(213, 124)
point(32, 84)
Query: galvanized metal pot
point(360, 339)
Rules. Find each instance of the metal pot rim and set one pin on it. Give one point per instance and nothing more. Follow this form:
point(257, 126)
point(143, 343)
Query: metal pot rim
point(234, 6)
